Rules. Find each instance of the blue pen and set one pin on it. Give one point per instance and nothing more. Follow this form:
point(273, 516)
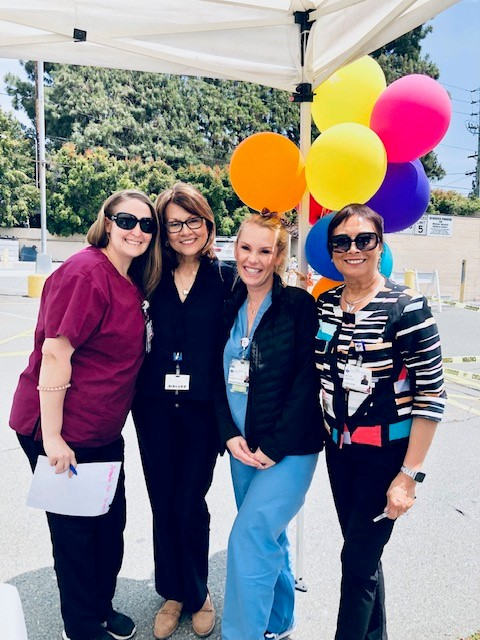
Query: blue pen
point(73, 470)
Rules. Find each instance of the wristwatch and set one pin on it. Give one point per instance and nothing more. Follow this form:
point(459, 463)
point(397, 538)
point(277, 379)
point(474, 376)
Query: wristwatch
point(418, 476)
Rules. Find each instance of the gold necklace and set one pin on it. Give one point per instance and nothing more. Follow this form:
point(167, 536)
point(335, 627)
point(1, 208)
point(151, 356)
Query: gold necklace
point(351, 305)
point(185, 290)
point(250, 307)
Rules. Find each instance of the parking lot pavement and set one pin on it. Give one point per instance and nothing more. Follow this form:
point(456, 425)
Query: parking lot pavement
point(432, 564)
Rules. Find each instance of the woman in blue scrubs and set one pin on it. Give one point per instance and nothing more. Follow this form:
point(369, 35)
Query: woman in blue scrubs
point(270, 421)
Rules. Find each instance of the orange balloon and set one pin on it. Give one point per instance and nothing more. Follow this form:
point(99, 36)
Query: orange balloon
point(324, 284)
point(268, 171)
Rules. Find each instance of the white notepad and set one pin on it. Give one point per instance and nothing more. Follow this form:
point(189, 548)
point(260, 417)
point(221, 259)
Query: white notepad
point(89, 493)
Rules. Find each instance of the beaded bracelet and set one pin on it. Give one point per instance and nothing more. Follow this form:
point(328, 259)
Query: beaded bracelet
point(64, 386)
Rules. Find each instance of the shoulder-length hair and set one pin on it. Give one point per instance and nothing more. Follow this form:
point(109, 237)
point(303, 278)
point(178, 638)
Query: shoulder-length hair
point(189, 198)
point(147, 268)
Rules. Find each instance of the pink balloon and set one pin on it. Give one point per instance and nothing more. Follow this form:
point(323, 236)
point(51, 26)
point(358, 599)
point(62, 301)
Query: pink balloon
point(411, 117)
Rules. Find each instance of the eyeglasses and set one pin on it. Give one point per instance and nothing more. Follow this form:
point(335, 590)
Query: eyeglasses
point(128, 222)
point(175, 226)
point(364, 242)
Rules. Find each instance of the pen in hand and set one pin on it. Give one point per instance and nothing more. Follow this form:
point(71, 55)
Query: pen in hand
point(73, 470)
point(381, 516)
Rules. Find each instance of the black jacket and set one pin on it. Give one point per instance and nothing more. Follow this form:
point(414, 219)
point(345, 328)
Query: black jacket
point(283, 411)
point(193, 327)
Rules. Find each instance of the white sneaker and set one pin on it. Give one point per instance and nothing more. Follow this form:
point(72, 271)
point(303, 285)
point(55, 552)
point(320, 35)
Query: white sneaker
point(270, 635)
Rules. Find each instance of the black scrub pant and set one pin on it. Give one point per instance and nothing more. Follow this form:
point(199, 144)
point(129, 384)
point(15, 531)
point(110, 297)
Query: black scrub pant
point(359, 477)
point(87, 551)
point(179, 444)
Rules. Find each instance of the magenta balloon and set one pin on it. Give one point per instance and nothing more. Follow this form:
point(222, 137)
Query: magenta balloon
point(411, 117)
point(403, 196)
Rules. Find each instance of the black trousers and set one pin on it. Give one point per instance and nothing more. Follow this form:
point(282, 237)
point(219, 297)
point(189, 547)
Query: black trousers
point(87, 551)
point(178, 442)
point(360, 477)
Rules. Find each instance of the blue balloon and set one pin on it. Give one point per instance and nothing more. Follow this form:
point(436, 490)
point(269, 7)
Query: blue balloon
point(403, 196)
point(386, 261)
point(318, 257)
point(316, 250)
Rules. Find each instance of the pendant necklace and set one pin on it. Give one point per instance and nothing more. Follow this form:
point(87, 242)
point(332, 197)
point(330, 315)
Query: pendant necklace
point(350, 306)
point(251, 309)
point(185, 291)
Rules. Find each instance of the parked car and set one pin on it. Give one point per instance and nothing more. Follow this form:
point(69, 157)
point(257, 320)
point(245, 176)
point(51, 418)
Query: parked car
point(224, 247)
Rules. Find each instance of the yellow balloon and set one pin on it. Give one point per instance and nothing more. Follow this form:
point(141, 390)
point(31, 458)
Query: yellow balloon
point(349, 94)
point(347, 163)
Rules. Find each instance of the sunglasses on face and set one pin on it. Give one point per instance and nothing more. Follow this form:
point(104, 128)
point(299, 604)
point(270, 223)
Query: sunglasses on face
point(364, 242)
point(128, 221)
point(175, 226)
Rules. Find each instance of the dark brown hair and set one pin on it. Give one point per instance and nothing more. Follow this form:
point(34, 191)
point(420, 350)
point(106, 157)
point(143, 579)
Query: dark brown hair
point(190, 199)
point(349, 211)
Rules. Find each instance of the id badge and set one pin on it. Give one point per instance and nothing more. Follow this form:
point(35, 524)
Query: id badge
point(357, 378)
point(238, 375)
point(174, 382)
point(148, 336)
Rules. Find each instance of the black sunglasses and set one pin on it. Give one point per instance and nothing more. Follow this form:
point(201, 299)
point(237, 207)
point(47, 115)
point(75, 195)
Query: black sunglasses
point(128, 222)
point(364, 242)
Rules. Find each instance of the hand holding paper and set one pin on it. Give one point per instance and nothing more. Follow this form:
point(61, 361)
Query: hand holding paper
point(88, 493)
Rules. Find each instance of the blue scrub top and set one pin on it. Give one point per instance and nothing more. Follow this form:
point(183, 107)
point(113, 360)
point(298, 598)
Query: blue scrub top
point(237, 401)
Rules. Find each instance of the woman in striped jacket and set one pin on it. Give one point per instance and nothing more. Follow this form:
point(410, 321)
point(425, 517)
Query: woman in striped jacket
point(379, 357)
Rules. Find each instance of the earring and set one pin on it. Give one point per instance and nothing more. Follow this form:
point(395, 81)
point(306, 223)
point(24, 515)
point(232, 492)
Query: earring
point(167, 244)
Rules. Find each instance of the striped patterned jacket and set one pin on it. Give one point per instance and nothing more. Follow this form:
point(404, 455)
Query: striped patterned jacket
point(394, 337)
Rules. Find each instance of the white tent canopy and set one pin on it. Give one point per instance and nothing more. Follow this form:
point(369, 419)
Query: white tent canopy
point(252, 40)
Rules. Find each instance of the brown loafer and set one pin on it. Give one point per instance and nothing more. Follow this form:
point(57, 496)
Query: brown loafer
point(203, 621)
point(167, 619)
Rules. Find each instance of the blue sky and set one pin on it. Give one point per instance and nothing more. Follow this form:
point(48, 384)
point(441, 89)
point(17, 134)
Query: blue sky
point(454, 46)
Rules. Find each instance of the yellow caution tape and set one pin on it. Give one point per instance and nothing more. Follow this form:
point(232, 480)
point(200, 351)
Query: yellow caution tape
point(462, 305)
point(12, 354)
point(28, 332)
point(464, 407)
point(463, 396)
point(458, 359)
point(470, 375)
point(466, 383)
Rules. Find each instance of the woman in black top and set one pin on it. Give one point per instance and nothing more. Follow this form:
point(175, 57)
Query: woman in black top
point(173, 409)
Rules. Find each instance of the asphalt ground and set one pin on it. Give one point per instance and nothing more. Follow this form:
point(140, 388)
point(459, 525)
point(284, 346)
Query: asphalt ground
point(431, 564)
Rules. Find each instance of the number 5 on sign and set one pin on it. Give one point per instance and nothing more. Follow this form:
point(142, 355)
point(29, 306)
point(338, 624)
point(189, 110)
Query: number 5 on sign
point(420, 227)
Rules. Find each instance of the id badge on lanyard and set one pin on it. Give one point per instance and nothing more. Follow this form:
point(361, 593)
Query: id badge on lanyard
point(356, 377)
point(148, 326)
point(177, 381)
point(239, 370)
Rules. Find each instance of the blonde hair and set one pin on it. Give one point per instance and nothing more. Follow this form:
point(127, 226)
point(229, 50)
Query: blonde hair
point(149, 265)
point(189, 198)
point(273, 221)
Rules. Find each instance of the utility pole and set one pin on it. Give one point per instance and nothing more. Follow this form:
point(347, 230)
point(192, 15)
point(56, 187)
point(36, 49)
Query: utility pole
point(474, 128)
point(44, 260)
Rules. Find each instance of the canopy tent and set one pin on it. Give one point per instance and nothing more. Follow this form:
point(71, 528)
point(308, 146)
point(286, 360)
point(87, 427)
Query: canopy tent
point(278, 43)
point(252, 40)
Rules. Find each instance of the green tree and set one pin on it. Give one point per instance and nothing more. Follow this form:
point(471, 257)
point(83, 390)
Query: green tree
point(215, 185)
point(452, 203)
point(77, 185)
point(19, 197)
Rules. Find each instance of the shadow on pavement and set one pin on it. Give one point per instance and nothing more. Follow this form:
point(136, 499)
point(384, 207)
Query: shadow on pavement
point(137, 598)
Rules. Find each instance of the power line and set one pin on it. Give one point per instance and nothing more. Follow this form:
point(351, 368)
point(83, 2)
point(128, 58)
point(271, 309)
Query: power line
point(451, 146)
